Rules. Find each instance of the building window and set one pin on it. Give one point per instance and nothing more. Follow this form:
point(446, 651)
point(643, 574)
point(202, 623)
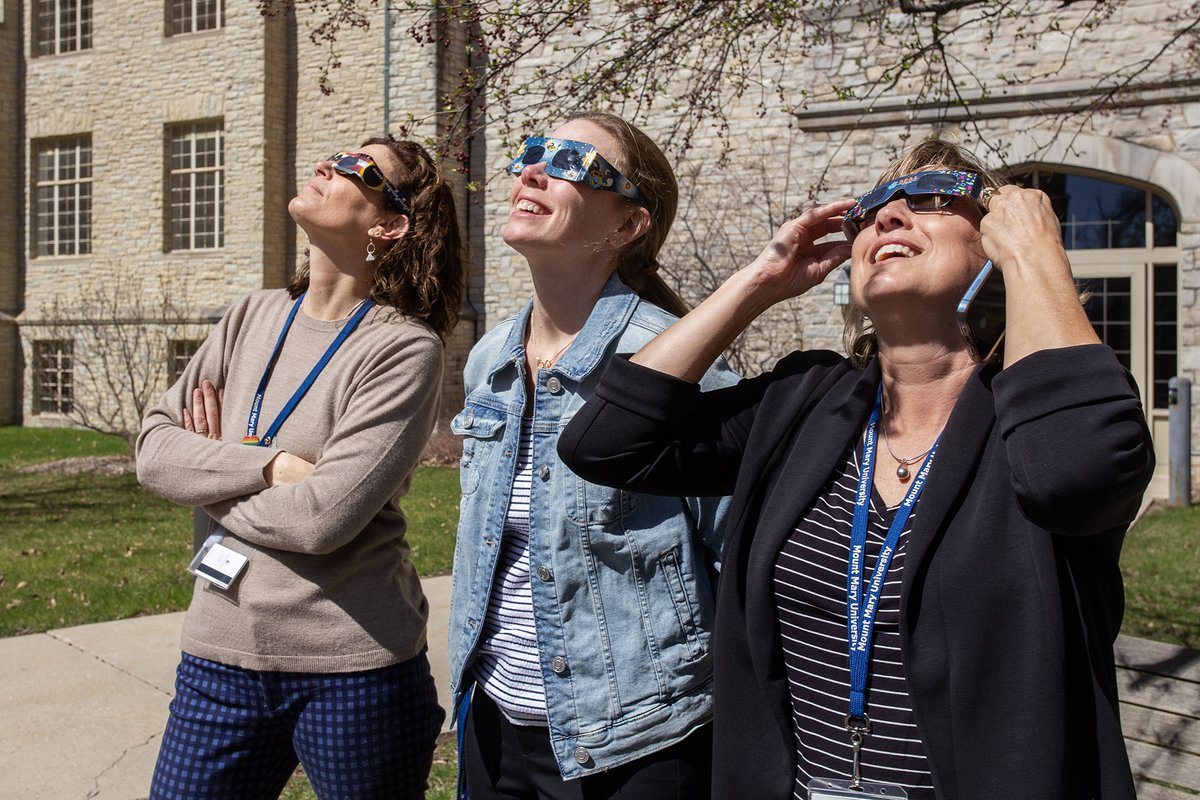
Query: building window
point(179, 353)
point(53, 376)
point(196, 186)
point(1165, 337)
point(61, 26)
point(62, 197)
point(1096, 214)
point(1109, 307)
point(193, 16)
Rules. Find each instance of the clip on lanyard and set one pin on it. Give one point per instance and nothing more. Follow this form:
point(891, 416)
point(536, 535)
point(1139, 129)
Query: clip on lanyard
point(860, 613)
point(252, 422)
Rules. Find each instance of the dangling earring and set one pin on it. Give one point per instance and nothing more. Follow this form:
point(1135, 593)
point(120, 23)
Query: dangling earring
point(370, 249)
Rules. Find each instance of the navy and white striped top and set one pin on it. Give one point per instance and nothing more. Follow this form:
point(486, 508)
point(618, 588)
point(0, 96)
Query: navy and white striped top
point(810, 592)
point(508, 667)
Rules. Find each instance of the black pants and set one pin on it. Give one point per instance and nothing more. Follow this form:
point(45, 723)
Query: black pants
point(503, 761)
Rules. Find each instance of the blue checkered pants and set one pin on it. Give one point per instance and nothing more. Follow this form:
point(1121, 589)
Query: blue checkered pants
point(236, 733)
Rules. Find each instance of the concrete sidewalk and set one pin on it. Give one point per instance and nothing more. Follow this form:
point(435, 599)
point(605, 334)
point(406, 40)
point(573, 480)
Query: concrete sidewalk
point(82, 709)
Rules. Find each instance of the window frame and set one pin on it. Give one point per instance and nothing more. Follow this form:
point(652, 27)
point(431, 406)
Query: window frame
point(179, 353)
point(185, 233)
point(62, 351)
point(185, 17)
point(58, 13)
point(1146, 261)
point(70, 232)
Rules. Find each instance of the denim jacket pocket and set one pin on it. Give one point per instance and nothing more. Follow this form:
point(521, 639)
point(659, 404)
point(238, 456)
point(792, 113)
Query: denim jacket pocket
point(481, 429)
point(592, 504)
point(684, 603)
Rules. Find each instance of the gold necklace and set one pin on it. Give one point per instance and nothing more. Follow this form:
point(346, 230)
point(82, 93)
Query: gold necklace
point(547, 363)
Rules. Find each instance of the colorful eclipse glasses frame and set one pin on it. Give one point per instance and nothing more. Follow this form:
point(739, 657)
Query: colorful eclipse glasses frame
point(371, 175)
point(938, 182)
point(574, 161)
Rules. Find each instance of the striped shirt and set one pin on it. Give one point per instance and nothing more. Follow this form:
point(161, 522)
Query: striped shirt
point(509, 667)
point(810, 592)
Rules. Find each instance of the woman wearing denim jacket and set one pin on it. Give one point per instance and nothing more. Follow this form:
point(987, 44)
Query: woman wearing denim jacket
point(581, 616)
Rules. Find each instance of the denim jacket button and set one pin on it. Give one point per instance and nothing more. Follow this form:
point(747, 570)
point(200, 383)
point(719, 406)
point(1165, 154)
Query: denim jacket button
point(558, 664)
point(543, 572)
point(554, 385)
point(469, 419)
point(544, 472)
point(581, 755)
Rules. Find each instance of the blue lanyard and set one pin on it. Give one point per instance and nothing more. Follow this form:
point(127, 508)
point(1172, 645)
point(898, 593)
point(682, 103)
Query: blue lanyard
point(860, 614)
point(298, 395)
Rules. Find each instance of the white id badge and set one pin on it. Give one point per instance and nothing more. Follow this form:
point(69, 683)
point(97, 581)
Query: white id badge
point(217, 564)
point(831, 789)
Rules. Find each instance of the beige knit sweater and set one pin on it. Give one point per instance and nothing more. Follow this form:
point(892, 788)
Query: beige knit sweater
point(329, 586)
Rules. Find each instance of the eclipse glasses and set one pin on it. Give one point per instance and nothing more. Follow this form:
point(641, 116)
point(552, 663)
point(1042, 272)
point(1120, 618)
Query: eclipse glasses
point(371, 175)
point(925, 192)
point(578, 162)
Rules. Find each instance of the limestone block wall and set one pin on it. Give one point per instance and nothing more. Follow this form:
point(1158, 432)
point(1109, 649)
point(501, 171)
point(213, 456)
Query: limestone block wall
point(124, 92)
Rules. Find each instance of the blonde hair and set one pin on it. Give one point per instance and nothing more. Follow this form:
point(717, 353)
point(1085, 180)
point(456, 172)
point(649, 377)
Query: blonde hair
point(645, 164)
point(858, 335)
point(422, 274)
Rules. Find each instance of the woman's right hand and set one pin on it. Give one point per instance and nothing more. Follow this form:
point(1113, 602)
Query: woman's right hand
point(205, 417)
point(791, 264)
point(793, 261)
point(286, 469)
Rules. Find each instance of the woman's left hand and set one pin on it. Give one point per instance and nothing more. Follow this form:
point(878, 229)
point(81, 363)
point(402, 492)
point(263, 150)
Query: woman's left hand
point(205, 417)
point(1021, 228)
point(1021, 236)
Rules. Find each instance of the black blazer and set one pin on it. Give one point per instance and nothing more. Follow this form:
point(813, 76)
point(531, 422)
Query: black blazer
point(1011, 596)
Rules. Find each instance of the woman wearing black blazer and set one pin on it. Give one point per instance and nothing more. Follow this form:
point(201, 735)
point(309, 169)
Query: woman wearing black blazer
point(976, 662)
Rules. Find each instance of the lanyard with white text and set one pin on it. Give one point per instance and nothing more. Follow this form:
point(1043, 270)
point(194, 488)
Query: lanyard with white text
point(860, 612)
point(255, 407)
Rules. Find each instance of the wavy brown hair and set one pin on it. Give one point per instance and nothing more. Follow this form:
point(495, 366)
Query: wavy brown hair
point(423, 273)
point(858, 335)
point(645, 164)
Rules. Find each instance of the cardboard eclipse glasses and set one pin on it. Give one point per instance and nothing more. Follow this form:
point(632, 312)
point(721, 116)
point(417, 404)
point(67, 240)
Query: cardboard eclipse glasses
point(578, 162)
point(925, 191)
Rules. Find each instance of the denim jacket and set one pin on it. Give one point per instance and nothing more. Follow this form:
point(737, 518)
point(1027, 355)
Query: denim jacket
point(623, 583)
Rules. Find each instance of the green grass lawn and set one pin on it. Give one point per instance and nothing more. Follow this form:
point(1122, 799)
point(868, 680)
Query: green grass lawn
point(23, 446)
point(1161, 565)
point(87, 548)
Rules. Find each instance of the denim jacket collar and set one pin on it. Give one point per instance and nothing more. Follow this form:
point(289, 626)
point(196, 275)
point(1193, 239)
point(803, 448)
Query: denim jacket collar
point(609, 317)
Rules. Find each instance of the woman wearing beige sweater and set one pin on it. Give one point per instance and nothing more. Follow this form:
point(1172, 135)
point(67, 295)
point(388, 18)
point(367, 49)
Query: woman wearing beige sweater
point(305, 639)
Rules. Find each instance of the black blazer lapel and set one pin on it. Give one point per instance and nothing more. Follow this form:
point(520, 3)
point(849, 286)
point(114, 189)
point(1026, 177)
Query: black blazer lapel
point(792, 481)
point(959, 453)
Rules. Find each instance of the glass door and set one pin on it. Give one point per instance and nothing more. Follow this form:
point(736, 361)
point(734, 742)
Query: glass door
point(1121, 298)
